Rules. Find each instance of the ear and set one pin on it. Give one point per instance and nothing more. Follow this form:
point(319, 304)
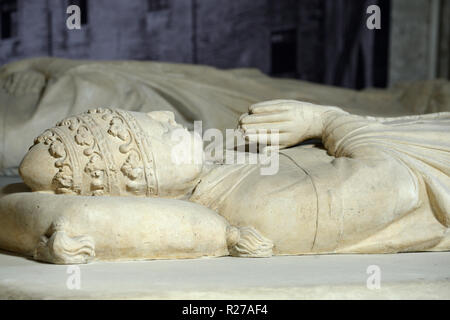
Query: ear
point(163, 116)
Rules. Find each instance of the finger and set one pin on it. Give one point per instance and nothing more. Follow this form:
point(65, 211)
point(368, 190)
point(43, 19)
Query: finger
point(280, 126)
point(264, 118)
point(272, 102)
point(242, 116)
point(273, 108)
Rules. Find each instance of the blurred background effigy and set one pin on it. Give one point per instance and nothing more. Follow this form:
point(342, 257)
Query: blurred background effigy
point(321, 41)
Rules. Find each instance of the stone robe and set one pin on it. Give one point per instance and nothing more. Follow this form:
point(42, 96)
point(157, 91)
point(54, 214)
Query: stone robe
point(383, 187)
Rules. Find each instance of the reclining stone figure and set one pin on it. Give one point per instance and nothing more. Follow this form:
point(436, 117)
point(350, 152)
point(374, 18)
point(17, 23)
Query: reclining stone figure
point(102, 185)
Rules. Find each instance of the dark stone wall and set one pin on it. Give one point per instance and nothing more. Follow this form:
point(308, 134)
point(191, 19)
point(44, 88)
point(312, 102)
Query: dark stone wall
point(329, 42)
point(233, 34)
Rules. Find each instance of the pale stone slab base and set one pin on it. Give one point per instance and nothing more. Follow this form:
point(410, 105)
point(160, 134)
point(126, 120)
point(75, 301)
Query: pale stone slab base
point(403, 276)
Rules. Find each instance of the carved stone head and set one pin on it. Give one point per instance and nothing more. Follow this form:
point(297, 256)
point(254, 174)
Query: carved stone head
point(109, 152)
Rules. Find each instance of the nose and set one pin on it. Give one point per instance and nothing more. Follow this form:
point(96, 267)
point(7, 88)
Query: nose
point(37, 168)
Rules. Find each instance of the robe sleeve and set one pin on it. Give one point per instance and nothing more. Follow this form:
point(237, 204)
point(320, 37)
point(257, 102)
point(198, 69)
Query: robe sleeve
point(359, 192)
point(421, 144)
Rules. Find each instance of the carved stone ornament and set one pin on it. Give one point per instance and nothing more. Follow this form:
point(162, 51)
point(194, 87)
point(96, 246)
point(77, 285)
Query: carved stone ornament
point(97, 152)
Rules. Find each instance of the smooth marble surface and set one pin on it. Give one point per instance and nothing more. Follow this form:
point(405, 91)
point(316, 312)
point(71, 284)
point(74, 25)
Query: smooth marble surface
point(403, 276)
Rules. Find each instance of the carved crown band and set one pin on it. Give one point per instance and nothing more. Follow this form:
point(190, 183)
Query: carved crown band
point(101, 152)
